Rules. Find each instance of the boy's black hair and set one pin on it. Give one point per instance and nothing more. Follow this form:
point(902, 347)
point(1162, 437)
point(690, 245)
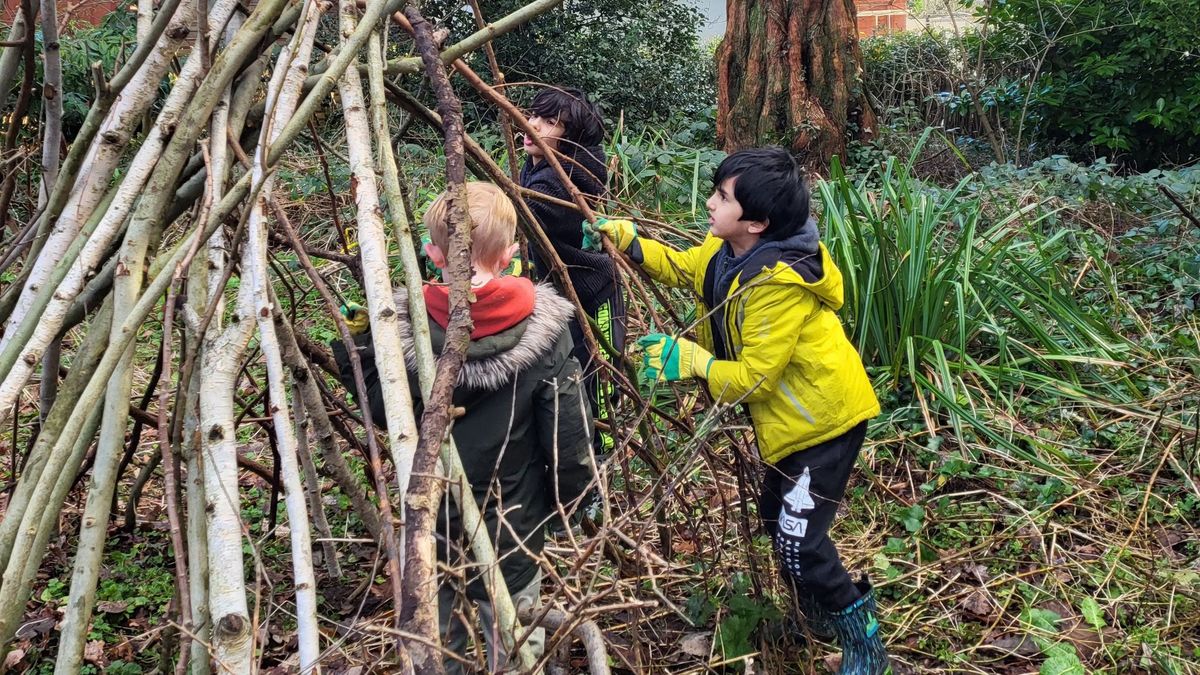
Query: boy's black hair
point(770, 187)
point(583, 123)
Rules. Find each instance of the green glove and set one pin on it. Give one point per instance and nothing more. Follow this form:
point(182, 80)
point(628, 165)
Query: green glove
point(672, 359)
point(357, 318)
point(620, 232)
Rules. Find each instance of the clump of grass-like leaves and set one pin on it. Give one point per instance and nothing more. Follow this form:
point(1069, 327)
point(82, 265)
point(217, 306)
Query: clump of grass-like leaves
point(971, 310)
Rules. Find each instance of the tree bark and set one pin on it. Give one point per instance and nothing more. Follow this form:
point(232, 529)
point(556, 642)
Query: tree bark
point(460, 490)
point(789, 72)
point(419, 613)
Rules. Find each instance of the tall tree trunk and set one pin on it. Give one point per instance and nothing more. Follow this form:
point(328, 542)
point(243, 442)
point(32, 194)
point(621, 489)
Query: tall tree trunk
point(789, 72)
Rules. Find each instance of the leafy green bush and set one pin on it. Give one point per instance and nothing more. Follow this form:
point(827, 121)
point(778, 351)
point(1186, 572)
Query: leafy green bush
point(642, 59)
point(1139, 194)
point(1122, 76)
point(933, 78)
point(907, 67)
point(666, 172)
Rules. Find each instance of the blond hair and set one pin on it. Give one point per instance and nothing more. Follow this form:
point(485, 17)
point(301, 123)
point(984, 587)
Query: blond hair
point(493, 222)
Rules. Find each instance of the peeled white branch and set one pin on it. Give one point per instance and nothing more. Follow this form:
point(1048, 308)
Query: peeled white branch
point(282, 98)
point(373, 249)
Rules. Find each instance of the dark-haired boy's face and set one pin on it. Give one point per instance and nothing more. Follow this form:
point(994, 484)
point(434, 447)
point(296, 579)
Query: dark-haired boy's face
point(725, 218)
point(549, 129)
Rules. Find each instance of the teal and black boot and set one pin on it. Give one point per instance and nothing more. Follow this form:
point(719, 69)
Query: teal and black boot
point(857, 629)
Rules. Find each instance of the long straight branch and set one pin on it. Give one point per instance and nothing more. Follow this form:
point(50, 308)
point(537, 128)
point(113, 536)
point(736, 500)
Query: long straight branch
point(373, 252)
point(419, 614)
point(291, 68)
point(460, 489)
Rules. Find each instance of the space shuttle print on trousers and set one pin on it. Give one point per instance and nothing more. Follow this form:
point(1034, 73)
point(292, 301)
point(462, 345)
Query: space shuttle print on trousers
point(792, 522)
point(800, 497)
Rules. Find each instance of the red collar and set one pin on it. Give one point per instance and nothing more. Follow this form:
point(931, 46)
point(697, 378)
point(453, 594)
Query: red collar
point(499, 305)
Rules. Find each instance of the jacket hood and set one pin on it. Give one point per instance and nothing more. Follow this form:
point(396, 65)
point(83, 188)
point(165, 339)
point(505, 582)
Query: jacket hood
point(496, 359)
point(805, 255)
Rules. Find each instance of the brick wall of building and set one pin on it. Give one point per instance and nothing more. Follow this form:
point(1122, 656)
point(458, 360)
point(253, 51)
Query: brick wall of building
point(82, 11)
point(881, 16)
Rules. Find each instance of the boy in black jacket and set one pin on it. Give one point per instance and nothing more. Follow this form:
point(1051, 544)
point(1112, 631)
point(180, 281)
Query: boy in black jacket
point(525, 435)
point(572, 125)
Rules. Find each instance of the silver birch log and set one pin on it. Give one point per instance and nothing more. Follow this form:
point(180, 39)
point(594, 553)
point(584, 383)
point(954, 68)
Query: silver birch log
point(373, 251)
point(205, 287)
point(331, 456)
point(282, 97)
point(231, 632)
point(52, 104)
point(144, 230)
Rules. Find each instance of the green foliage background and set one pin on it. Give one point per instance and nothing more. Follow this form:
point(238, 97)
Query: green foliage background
point(642, 58)
point(1122, 76)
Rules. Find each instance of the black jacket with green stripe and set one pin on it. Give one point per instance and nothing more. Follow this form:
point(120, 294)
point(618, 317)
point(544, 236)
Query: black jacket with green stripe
point(525, 436)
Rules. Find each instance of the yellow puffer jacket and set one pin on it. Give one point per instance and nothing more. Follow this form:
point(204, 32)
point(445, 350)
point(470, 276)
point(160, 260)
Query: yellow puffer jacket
point(786, 354)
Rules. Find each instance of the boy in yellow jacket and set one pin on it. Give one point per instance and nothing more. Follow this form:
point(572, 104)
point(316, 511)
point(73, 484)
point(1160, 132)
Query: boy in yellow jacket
point(771, 339)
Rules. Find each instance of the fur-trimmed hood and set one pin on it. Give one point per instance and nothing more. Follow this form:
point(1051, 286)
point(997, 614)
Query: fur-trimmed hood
point(496, 359)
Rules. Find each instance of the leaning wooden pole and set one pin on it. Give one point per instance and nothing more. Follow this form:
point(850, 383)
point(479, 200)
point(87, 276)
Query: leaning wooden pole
point(291, 69)
point(419, 615)
point(460, 489)
point(373, 253)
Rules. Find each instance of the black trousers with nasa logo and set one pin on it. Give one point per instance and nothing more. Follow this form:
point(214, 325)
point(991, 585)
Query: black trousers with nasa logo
point(800, 496)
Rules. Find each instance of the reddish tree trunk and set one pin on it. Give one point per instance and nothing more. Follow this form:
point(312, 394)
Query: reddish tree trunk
point(789, 72)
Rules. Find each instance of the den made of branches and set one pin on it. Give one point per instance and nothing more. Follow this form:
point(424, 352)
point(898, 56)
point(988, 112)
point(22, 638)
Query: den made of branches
point(160, 371)
point(149, 308)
